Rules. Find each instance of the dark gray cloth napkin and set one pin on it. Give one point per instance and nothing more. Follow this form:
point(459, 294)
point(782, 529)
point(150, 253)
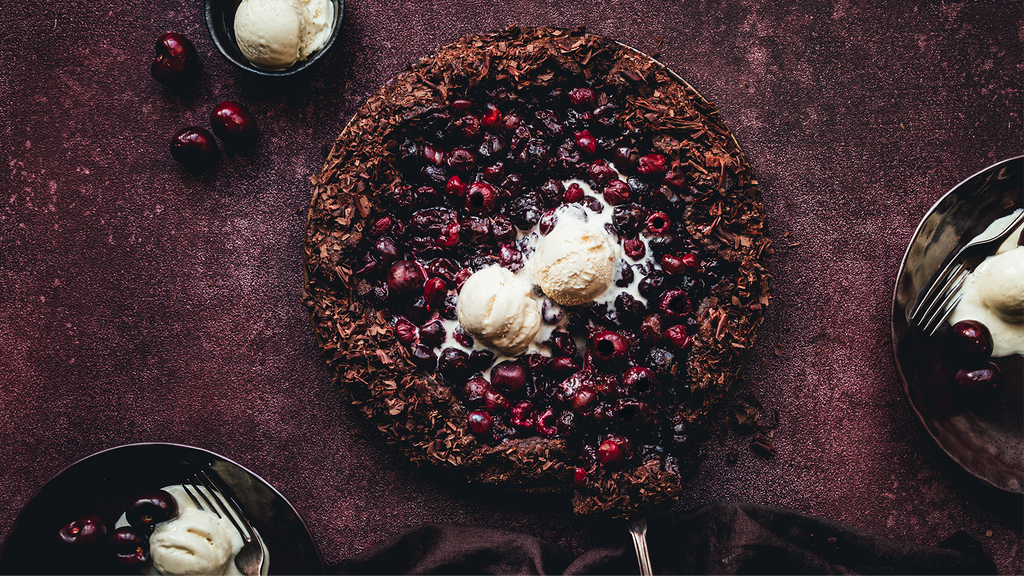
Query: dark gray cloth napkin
point(720, 538)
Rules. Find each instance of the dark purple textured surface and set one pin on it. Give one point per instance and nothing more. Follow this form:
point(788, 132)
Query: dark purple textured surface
point(140, 302)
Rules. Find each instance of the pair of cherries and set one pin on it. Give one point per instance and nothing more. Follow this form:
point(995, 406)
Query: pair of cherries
point(979, 380)
point(129, 544)
point(177, 63)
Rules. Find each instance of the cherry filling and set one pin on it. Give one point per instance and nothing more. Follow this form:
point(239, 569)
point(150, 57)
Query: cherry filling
point(477, 180)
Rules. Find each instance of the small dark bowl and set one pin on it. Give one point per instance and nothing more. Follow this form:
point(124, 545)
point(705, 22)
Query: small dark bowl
point(105, 484)
point(220, 20)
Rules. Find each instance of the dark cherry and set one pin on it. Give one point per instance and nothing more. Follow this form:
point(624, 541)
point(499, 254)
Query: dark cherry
point(617, 192)
point(547, 222)
point(463, 337)
point(423, 356)
point(574, 193)
point(628, 310)
point(579, 476)
point(608, 349)
point(491, 119)
point(194, 147)
point(509, 375)
point(973, 339)
point(626, 159)
point(469, 127)
point(461, 161)
point(495, 401)
point(480, 359)
point(503, 229)
point(83, 532)
point(456, 187)
point(627, 219)
point(674, 265)
point(658, 223)
point(433, 333)
point(385, 250)
point(453, 364)
point(405, 277)
point(177, 61)
point(678, 337)
point(979, 385)
point(433, 154)
point(480, 422)
point(562, 366)
point(664, 244)
point(585, 142)
point(652, 166)
point(546, 422)
point(234, 124)
point(551, 312)
point(640, 381)
point(561, 343)
point(406, 331)
point(131, 547)
point(522, 415)
point(601, 172)
point(612, 452)
point(492, 148)
point(634, 248)
point(584, 399)
point(650, 329)
point(151, 509)
point(462, 106)
point(675, 305)
point(380, 226)
point(675, 179)
point(582, 97)
point(475, 388)
point(435, 290)
point(652, 285)
point(481, 198)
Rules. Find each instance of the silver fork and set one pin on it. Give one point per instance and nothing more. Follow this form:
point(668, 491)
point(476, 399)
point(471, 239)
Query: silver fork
point(943, 294)
point(249, 559)
point(638, 531)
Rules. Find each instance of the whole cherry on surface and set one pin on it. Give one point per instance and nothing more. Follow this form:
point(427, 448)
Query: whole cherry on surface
point(84, 531)
point(234, 124)
point(130, 546)
point(973, 339)
point(151, 509)
point(194, 147)
point(177, 61)
point(979, 385)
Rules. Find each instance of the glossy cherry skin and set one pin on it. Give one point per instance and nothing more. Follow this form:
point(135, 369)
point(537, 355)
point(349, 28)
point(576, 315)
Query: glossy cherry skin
point(130, 546)
point(151, 509)
point(979, 385)
point(177, 61)
point(83, 532)
point(973, 340)
point(234, 124)
point(194, 147)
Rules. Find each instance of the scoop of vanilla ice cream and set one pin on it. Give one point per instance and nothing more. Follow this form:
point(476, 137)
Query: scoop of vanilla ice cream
point(269, 32)
point(1000, 285)
point(575, 262)
point(319, 25)
point(194, 543)
point(495, 306)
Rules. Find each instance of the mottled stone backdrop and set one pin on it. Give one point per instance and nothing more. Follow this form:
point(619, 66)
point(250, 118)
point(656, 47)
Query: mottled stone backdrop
point(141, 302)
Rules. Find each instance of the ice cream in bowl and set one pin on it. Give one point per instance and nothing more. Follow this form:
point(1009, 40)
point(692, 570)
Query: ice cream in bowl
point(273, 37)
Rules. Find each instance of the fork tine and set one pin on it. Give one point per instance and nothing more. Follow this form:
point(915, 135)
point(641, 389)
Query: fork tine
point(221, 498)
point(937, 291)
point(952, 298)
point(202, 495)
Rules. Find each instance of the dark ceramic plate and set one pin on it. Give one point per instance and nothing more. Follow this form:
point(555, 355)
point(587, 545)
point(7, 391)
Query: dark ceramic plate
point(107, 482)
point(220, 20)
point(987, 441)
